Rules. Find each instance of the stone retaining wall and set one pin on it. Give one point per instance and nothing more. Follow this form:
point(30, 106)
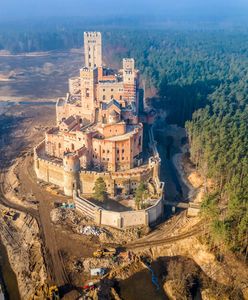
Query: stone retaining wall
point(145, 217)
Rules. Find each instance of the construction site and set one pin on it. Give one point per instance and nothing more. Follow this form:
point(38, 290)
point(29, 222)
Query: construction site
point(58, 248)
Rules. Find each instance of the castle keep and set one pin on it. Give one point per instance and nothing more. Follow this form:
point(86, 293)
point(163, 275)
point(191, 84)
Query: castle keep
point(97, 133)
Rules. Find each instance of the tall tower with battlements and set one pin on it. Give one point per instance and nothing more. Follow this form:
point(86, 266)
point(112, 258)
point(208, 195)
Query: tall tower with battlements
point(128, 70)
point(129, 79)
point(93, 49)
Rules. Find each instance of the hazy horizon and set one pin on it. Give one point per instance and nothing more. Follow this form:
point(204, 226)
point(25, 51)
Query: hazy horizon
point(12, 10)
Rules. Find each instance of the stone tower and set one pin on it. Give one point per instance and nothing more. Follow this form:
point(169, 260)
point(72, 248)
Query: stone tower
point(93, 49)
point(88, 79)
point(129, 79)
point(128, 70)
point(71, 166)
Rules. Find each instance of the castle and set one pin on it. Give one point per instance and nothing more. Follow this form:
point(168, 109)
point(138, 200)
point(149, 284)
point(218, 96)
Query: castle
point(98, 131)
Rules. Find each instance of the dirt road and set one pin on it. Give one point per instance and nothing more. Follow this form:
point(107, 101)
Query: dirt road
point(53, 259)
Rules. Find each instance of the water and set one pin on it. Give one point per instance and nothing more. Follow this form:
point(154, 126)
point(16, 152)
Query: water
point(7, 276)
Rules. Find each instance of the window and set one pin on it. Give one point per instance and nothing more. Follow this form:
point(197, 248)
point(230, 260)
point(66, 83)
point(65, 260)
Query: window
point(103, 90)
point(118, 158)
point(122, 150)
point(103, 151)
point(103, 97)
point(112, 96)
point(122, 158)
point(120, 97)
point(112, 90)
point(89, 56)
point(107, 151)
point(59, 145)
point(72, 147)
point(118, 151)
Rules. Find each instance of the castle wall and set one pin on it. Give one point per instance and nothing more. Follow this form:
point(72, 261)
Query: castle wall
point(49, 172)
point(120, 220)
point(113, 129)
point(107, 91)
point(66, 110)
point(155, 212)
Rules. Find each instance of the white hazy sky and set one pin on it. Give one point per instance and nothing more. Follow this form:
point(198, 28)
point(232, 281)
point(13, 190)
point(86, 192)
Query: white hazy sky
point(10, 9)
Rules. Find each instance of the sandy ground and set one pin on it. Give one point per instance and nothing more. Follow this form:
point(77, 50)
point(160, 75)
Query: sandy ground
point(47, 72)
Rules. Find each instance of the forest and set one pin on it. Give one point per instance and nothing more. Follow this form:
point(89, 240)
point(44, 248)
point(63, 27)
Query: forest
point(201, 78)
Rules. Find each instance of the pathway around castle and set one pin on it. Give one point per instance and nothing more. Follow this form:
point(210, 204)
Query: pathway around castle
point(53, 258)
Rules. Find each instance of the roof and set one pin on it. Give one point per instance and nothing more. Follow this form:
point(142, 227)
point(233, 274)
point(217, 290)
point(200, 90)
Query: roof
point(106, 106)
point(114, 113)
point(69, 120)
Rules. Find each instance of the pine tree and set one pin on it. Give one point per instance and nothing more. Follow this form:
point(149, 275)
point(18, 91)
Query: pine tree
point(100, 190)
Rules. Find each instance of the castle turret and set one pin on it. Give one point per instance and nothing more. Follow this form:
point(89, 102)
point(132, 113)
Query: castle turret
point(71, 165)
